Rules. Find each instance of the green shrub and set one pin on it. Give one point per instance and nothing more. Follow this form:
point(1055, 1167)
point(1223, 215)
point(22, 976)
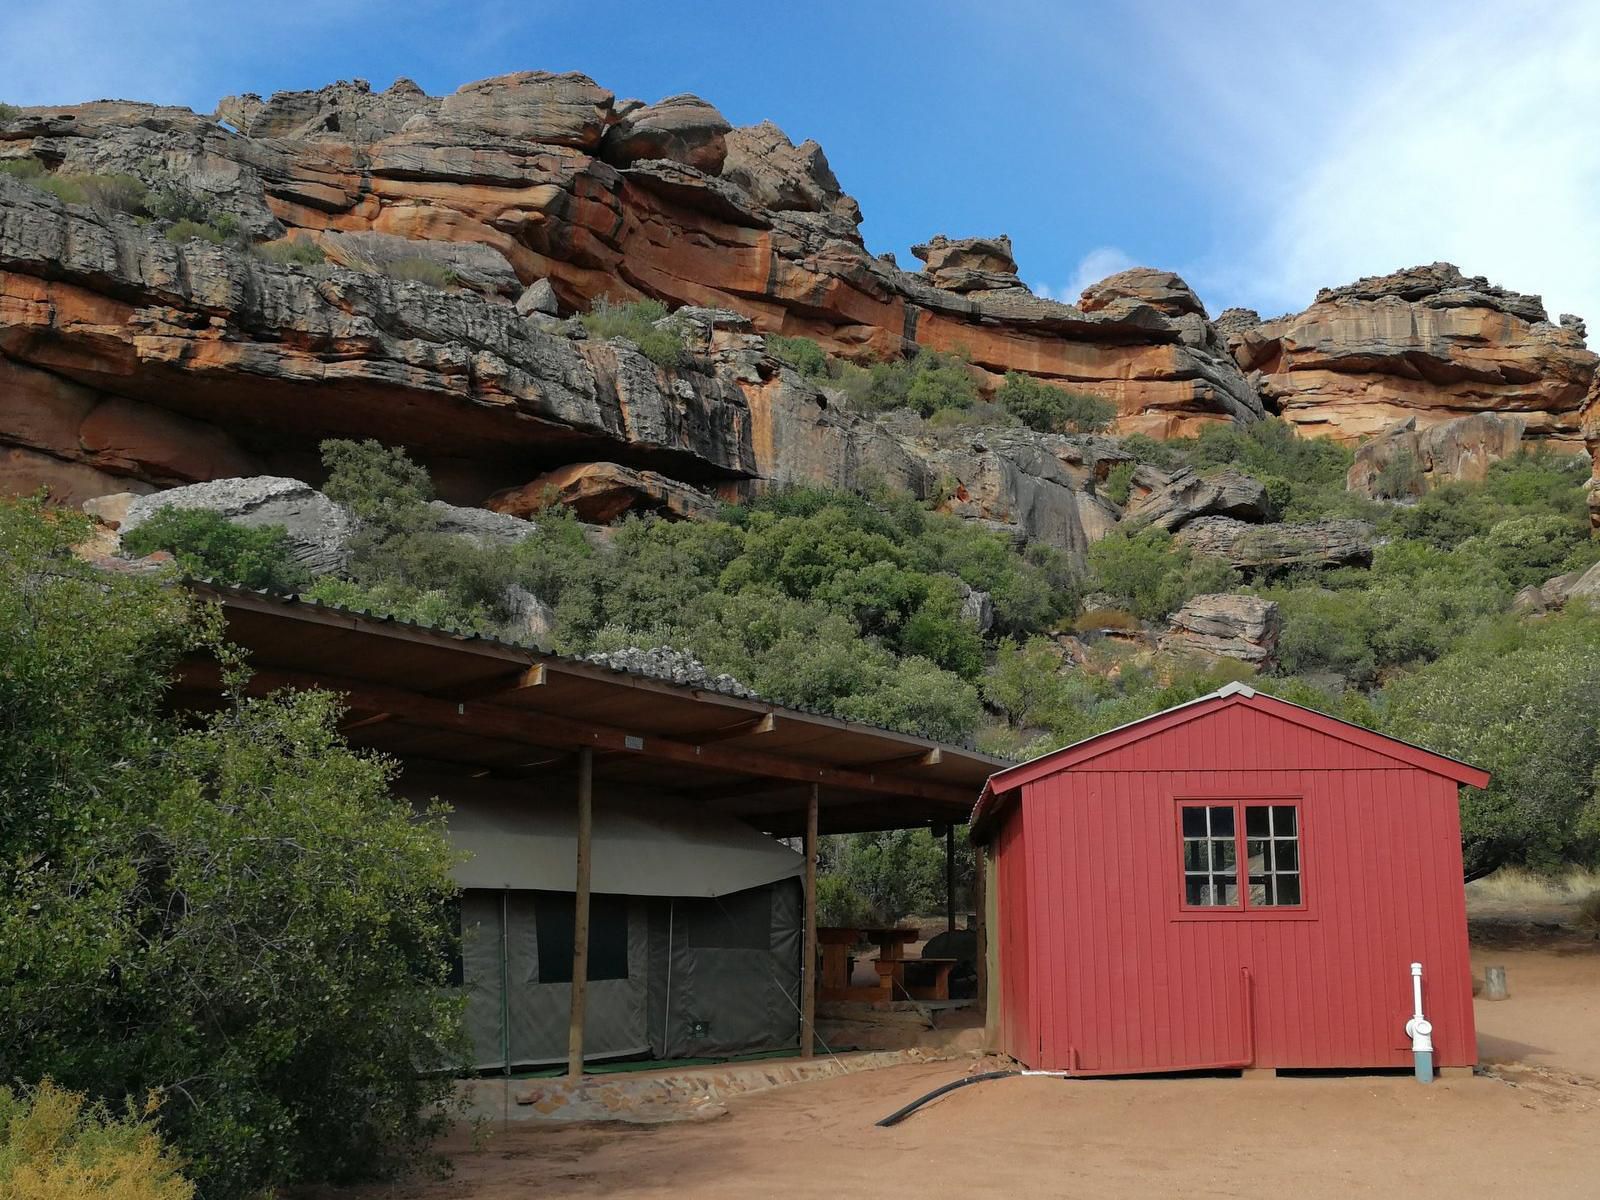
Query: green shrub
point(207, 545)
point(186, 230)
point(801, 353)
point(645, 323)
point(56, 1145)
point(22, 168)
point(1118, 486)
point(979, 416)
point(299, 252)
point(1051, 409)
point(420, 270)
point(236, 912)
point(839, 904)
point(1152, 575)
point(1025, 682)
point(9, 112)
point(925, 383)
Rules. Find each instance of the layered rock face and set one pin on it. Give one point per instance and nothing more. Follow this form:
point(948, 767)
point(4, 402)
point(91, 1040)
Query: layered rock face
point(1428, 344)
point(1404, 461)
point(1225, 626)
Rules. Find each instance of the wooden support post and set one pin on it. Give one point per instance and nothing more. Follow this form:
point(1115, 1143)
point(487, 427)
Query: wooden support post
point(580, 918)
point(950, 878)
point(980, 902)
point(808, 964)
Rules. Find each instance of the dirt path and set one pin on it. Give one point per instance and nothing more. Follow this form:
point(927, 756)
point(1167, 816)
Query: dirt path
point(1532, 1131)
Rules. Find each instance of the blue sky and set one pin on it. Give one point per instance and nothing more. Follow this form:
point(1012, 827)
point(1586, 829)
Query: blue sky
point(1259, 149)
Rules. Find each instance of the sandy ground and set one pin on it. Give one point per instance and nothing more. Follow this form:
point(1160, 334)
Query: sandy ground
point(1531, 1127)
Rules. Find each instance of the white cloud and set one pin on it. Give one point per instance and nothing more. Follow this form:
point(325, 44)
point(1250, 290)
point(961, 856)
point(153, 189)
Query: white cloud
point(1092, 268)
point(1465, 133)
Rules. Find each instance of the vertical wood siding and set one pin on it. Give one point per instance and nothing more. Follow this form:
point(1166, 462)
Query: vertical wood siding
point(1114, 979)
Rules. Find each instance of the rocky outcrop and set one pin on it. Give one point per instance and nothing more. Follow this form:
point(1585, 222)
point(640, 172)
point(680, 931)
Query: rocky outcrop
point(982, 264)
point(1426, 343)
point(1187, 495)
point(680, 129)
point(318, 530)
point(1332, 542)
point(1555, 593)
point(1225, 626)
point(1161, 290)
point(1404, 461)
point(599, 493)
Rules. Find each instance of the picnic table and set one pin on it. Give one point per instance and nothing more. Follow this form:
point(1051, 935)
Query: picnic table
point(899, 977)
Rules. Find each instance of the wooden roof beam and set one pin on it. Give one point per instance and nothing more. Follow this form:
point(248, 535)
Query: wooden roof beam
point(547, 729)
point(766, 723)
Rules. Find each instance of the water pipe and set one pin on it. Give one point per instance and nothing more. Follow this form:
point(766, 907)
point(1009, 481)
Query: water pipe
point(1420, 1030)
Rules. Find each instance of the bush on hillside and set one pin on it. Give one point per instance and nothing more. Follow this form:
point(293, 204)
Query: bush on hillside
point(9, 112)
point(925, 383)
point(287, 252)
point(645, 323)
point(1051, 409)
point(56, 1145)
point(243, 915)
point(801, 353)
point(208, 546)
point(1152, 576)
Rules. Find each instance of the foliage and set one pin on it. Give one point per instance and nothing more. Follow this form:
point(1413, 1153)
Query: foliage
point(926, 383)
point(661, 339)
point(1400, 477)
point(9, 112)
point(27, 168)
point(237, 914)
point(1118, 486)
point(1516, 699)
point(886, 877)
point(57, 1145)
point(801, 353)
point(417, 269)
point(108, 193)
point(297, 252)
point(188, 231)
point(1025, 682)
point(1051, 409)
point(207, 545)
point(1527, 484)
point(839, 904)
point(1152, 576)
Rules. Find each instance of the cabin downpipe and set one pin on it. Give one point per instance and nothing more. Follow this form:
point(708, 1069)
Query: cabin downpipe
point(1420, 1030)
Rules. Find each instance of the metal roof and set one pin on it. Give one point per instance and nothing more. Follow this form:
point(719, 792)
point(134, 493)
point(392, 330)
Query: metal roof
point(509, 711)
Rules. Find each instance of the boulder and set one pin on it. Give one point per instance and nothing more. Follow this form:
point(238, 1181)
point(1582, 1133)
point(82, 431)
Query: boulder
point(779, 176)
point(1187, 495)
point(665, 662)
point(968, 264)
point(1404, 461)
point(532, 107)
point(464, 264)
point(539, 297)
point(1555, 593)
point(599, 493)
point(682, 129)
point(480, 525)
point(1332, 542)
point(317, 528)
point(530, 620)
point(976, 607)
point(1225, 626)
point(1161, 290)
point(112, 510)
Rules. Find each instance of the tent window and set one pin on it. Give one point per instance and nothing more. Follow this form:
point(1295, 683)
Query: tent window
point(553, 916)
point(741, 921)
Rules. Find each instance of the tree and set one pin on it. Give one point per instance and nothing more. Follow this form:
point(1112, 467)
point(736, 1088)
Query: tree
point(237, 914)
point(1051, 409)
point(1517, 700)
point(207, 545)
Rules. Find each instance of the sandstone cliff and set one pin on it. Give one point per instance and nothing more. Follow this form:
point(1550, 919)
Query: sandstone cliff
point(129, 362)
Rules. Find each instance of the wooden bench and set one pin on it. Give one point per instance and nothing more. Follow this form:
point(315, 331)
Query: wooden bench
point(916, 978)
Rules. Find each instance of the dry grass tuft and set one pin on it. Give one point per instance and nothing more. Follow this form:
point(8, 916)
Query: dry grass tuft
point(1519, 885)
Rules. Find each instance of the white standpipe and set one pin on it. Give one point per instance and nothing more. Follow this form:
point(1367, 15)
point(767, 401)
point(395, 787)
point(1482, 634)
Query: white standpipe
point(1420, 1030)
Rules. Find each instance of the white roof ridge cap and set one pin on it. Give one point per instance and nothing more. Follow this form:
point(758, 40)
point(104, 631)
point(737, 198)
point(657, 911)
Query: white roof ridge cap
point(1234, 689)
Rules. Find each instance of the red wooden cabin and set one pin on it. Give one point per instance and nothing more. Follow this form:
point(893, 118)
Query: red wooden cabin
point(1235, 882)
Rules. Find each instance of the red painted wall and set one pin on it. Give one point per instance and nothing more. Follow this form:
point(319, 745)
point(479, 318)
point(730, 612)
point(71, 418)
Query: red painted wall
point(1115, 977)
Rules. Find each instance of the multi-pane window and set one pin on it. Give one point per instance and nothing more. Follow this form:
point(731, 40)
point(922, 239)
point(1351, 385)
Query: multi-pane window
point(1210, 859)
point(1215, 839)
point(1272, 847)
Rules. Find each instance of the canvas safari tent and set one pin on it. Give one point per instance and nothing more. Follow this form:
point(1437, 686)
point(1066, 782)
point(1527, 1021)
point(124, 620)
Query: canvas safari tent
point(695, 928)
point(642, 811)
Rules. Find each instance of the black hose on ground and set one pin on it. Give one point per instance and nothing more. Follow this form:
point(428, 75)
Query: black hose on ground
point(901, 1114)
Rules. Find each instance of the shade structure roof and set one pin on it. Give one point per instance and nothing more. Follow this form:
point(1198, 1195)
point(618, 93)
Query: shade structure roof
point(496, 709)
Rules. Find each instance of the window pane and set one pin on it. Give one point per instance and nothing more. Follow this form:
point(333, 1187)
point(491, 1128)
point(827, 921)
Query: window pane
point(1258, 889)
point(1287, 855)
point(1196, 890)
point(1255, 821)
point(1283, 823)
point(1222, 821)
point(1229, 889)
point(1194, 822)
point(1222, 854)
point(1288, 889)
point(1195, 857)
point(1257, 850)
